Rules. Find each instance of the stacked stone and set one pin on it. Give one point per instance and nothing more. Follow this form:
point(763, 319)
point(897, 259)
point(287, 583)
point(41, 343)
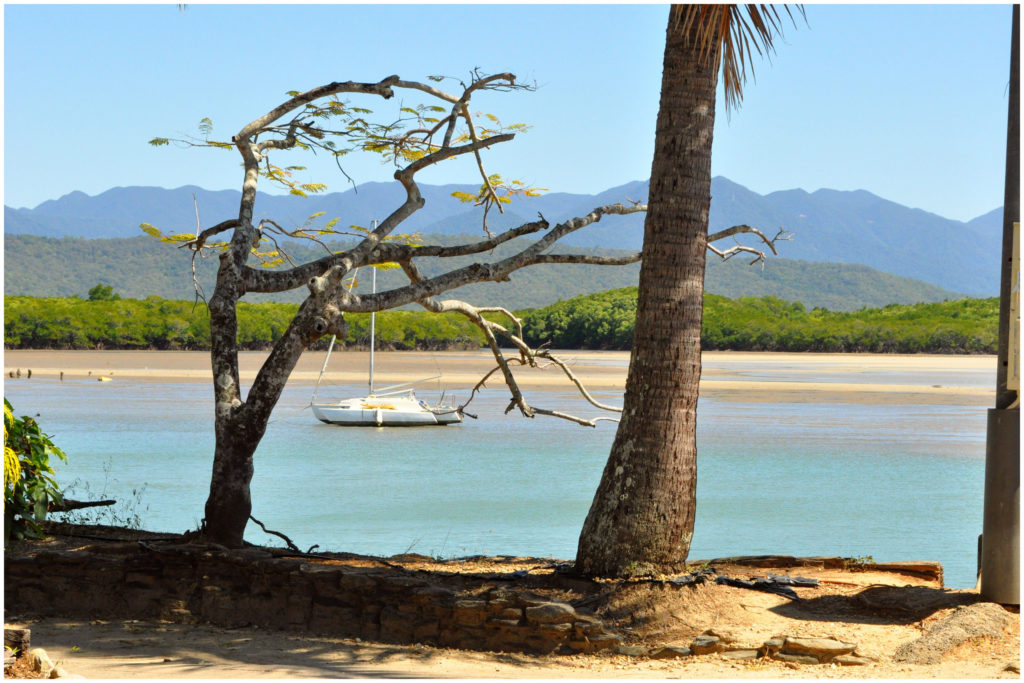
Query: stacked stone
point(187, 584)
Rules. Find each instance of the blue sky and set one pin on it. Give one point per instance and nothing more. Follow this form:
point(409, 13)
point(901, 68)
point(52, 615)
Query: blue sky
point(908, 102)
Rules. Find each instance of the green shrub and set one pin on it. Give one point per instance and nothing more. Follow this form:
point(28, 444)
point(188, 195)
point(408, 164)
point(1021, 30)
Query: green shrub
point(29, 486)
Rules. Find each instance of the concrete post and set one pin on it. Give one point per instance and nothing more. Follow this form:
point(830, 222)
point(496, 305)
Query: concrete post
point(999, 564)
point(1000, 540)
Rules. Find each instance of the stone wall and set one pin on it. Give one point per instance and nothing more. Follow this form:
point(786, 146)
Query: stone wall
point(182, 583)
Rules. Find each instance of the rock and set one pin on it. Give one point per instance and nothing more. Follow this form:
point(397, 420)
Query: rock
point(796, 659)
point(474, 605)
point(824, 649)
point(551, 613)
point(722, 635)
point(772, 645)
point(40, 661)
point(588, 625)
point(705, 645)
point(671, 652)
point(630, 650)
point(603, 641)
point(58, 672)
point(851, 660)
point(965, 623)
point(469, 612)
point(510, 613)
point(1012, 667)
point(19, 639)
point(741, 654)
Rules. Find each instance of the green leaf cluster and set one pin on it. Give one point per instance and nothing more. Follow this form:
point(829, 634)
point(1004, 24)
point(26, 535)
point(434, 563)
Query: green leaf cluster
point(29, 485)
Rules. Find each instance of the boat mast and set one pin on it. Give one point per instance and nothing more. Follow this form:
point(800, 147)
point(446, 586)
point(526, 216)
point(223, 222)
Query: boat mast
point(373, 318)
point(330, 347)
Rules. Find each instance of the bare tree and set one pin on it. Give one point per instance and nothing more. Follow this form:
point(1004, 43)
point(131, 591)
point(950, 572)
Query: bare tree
point(320, 121)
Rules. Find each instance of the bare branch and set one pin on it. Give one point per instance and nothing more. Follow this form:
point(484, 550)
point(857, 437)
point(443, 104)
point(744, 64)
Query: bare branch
point(591, 260)
point(527, 355)
point(287, 142)
point(781, 235)
point(759, 256)
point(382, 88)
point(200, 241)
point(572, 377)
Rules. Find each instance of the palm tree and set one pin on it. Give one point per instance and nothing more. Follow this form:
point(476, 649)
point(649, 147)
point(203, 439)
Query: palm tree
point(641, 520)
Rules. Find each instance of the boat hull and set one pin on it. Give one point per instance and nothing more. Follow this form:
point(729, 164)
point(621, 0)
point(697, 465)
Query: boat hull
point(382, 412)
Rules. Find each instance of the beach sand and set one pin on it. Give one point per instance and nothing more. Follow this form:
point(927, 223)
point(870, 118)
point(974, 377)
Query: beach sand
point(873, 378)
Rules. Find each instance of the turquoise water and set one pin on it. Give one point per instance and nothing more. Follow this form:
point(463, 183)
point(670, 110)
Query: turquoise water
point(897, 482)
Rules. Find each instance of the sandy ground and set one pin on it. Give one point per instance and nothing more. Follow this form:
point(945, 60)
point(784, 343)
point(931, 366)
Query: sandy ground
point(859, 375)
point(878, 610)
point(158, 650)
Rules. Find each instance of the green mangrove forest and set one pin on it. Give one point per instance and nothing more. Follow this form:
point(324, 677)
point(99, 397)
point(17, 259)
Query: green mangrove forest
point(594, 321)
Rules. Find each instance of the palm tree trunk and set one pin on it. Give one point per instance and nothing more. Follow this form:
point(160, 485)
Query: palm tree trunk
point(641, 520)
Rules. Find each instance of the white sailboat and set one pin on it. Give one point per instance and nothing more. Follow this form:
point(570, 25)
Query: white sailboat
point(394, 406)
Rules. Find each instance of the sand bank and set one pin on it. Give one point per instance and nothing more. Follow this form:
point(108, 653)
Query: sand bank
point(872, 378)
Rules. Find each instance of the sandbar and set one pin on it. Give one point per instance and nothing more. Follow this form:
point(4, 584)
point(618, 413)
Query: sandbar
point(742, 376)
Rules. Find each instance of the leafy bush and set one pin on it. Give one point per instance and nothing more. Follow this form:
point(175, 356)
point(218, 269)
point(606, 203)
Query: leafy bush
point(29, 486)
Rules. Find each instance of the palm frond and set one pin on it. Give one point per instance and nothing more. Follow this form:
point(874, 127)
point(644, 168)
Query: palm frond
point(732, 33)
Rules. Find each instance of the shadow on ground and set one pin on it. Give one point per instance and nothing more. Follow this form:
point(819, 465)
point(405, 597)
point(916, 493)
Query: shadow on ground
point(877, 605)
point(182, 650)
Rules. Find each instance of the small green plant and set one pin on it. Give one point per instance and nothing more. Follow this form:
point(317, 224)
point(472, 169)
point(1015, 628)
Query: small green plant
point(127, 513)
point(29, 486)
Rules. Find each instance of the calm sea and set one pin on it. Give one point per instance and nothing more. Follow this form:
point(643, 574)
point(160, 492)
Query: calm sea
point(895, 482)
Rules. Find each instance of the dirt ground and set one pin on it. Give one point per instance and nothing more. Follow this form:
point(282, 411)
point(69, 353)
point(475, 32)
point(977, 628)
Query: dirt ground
point(877, 609)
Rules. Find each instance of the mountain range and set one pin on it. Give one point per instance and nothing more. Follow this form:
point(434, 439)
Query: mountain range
point(848, 227)
point(138, 267)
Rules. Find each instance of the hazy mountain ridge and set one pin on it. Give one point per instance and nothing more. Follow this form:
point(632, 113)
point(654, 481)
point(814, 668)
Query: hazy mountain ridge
point(854, 227)
point(138, 267)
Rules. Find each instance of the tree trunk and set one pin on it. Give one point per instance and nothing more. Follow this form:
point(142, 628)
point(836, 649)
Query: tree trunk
point(229, 504)
point(239, 426)
point(641, 520)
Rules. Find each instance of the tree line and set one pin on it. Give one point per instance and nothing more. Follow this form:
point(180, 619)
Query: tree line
point(596, 321)
point(605, 321)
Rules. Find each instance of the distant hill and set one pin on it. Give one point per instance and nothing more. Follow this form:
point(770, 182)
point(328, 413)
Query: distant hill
point(831, 226)
point(140, 266)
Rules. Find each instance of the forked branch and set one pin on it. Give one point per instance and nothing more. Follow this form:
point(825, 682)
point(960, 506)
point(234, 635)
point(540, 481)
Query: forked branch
point(759, 255)
point(527, 355)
